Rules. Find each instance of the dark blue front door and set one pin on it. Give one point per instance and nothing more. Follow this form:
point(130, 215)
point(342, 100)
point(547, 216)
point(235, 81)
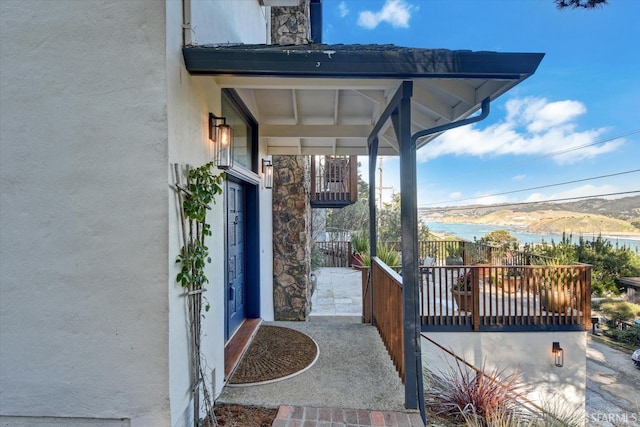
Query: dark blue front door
point(236, 226)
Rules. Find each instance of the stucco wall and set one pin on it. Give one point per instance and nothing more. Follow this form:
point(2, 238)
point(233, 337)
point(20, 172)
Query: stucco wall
point(83, 164)
point(191, 100)
point(530, 353)
point(96, 105)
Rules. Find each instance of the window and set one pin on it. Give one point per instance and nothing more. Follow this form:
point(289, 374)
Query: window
point(245, 130)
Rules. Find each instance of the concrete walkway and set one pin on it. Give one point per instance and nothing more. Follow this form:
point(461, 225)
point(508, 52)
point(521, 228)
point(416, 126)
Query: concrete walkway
point(353, 383)
point(338, 296)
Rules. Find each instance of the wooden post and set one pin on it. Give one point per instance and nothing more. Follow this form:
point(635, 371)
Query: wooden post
point(475, 295)
point(366, 291)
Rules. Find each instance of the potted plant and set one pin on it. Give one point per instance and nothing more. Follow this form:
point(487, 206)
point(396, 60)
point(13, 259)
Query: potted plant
point(462, 291)
point(554, 284)
point(360, 247)
point(454, 254)
point(510, 282)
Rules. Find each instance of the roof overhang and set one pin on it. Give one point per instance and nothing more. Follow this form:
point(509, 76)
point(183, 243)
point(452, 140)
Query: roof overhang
point(325, 99)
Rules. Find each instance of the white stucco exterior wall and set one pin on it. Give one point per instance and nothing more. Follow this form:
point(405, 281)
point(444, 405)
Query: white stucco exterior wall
point(528, 352)
point(84, 306)
point(96, 106)
point(190, 101)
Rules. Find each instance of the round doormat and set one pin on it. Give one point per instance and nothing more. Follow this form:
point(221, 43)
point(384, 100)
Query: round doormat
point(276, 353)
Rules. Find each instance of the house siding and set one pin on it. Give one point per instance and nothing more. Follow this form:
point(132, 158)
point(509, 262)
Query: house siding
point(96, 107)
point(84, 312)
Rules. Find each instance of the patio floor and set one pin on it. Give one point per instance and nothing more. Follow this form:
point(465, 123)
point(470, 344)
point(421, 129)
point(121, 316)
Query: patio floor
point(353, 372)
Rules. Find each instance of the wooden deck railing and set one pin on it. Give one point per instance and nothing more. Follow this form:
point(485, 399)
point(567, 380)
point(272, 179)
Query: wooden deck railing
point(334, 181)
point(480, 298)
point(387, 310)
point(506, 298)
point(336, 253)
point(471, 252)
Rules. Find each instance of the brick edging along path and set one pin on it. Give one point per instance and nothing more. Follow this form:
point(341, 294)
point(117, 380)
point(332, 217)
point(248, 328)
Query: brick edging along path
point(298, 416)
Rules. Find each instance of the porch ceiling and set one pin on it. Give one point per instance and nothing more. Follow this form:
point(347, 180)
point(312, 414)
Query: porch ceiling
point(325, 99)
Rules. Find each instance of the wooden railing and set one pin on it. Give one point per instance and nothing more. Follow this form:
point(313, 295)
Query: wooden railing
point(471, 252)
point(334, 181)
point(506, 298)
point(480, 298)
point(336, 253)
point(387, 310)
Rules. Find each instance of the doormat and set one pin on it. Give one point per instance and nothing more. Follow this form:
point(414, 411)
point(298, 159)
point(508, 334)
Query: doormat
point(275, 354)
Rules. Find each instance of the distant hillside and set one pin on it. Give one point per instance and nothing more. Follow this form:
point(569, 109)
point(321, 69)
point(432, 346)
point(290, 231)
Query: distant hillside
point(619, 216)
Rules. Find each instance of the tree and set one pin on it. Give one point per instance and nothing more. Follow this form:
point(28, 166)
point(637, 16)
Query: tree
point(579, 4)
point(608, 263)
point(389, 223)
point(500, 238)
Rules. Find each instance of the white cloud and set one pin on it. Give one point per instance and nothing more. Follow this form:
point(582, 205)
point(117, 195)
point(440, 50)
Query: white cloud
point(455, 195)
point(342, 9)
point(533, 126)
point(519, 177)
point(394, 12)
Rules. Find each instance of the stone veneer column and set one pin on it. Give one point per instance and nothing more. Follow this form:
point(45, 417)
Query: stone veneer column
point(291, 238)
point(292, 286)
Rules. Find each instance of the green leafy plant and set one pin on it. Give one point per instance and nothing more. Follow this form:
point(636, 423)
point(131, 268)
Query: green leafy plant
point(360, 242)
point(454, 251)
point(629, 336)
point(620, 310)
point(201, 189)
point(386, 254)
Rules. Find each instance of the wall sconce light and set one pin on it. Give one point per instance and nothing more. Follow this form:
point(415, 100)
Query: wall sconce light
point(222, 136)
point(267, 171)
point(558, 354)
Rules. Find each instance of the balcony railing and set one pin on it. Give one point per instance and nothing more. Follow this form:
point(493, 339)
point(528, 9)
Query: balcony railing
point(506, 298)
point(480, 298)
point(489, 298)
point(334, 181)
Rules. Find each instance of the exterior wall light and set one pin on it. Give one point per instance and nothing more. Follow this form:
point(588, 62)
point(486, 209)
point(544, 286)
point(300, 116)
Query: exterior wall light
point(558, 354)
point(267, 172)
point(221, 134)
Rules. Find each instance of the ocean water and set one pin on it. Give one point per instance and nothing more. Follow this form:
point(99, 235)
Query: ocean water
point(476, 231)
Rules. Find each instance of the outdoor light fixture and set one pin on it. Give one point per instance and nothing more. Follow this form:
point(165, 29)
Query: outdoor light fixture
point(267, 171)
point(222, 136)
point(558, 354)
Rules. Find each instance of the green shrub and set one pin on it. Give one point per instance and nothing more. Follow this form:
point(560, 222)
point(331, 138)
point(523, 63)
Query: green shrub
point(360, 242)
point(619, 310)
point(629, 336)
point(386, 254)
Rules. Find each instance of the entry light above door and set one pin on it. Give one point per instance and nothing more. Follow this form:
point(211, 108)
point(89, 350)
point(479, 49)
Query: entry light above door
point(221, 135)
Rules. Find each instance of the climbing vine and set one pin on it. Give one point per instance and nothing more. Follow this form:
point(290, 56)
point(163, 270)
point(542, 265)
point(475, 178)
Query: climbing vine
point(202, 187)
point(195, 198)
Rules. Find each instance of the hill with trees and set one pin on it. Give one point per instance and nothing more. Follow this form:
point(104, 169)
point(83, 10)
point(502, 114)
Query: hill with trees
point(616, 216)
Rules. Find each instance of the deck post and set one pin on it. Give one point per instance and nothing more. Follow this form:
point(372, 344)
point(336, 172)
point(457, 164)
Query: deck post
point(401, 120)
point(372, 148)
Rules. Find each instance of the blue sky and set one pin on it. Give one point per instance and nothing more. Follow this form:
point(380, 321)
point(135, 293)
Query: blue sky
point(586, 92)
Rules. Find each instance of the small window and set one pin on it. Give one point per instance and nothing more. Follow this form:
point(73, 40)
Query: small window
point(245, 130)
